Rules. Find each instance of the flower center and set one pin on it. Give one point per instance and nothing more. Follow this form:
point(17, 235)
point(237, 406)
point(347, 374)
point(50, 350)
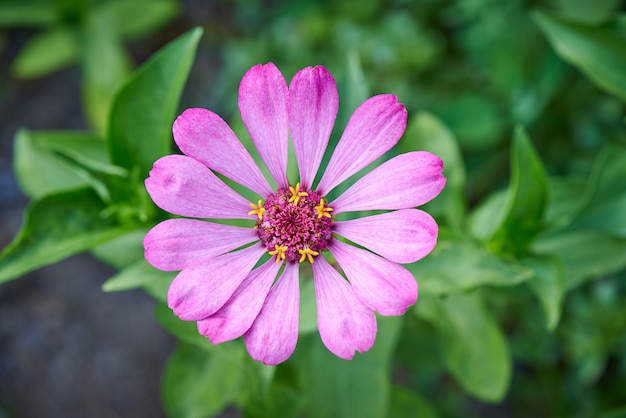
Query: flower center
point(293, 224)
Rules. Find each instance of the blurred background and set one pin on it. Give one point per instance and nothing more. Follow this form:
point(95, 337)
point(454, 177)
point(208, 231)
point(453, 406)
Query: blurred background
point(480, 66)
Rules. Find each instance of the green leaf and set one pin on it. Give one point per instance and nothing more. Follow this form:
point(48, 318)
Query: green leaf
point(598, 51)
point(136, 275)
point(39, 171)
point(308, 307)
point(584, 11)
point(280, 401)
point(46, 52)
point(458, 264)
point(105, 66)
point(526, 200)
point(604, 204)
point(137, 18)
point(27, 13)
point(425, 132)
point(143, 111)
point(488, 216)
point(473, 348)
point(565, 198)
point(198, 384)
point(256, 377)
point(585, 254)
point(408, 404)
point(186, 331)
point(548, 285)
point(357, 388)
point(122, 251)
point(48, 162)
point(55, 227)
point(475, 120)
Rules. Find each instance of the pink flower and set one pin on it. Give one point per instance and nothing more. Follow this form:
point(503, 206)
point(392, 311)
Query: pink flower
point(295, 224)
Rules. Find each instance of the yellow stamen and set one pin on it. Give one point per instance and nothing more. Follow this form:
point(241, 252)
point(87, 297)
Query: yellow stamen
point(296, 194)
point(257, 209)
point(323, 211)
point(308, 253)
point(279, 252)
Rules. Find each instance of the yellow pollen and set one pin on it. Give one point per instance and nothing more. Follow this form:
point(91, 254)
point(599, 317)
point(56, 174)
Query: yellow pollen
point(323, 211)
point(257, 209)
point(308, 253)
point(296, 194)
point(279, 252)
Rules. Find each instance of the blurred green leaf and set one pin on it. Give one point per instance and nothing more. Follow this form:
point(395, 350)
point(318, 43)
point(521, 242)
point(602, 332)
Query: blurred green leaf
point(604, 205)
point(473, 348)
point(548, 285)
point(475, 120)
point(27, 12)
point(526, 199)
point(198, 384)
point(408, 404)
point(564, 200)
point(280, 401)
point(425, 132)
point(46, 52)
point(105, 66)
point(598, 51)
point(585, 254)
point(137, 18)
point(136, 275)
point(358, 388)
point(458, 264)
point(185, 331)
point(143, 111)
point(122, 251)
point(55, 227)
point(584, 11)
point(488, 216)
point(308, 308)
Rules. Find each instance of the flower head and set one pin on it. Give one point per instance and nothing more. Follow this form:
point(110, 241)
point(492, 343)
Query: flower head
point(219, 286)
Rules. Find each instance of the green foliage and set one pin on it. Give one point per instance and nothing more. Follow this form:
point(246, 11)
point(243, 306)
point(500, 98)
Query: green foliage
point(138, 274)
point(473, 347)
point(361, 387)
point(524, 207)
point(90, 34)
point(144, 110)
point(426, 132)
point(521, 301)
point(44, 240)
point(598, 51)
point(112, 200)
point(458, 264)
point(198, 384)
point(48, 162)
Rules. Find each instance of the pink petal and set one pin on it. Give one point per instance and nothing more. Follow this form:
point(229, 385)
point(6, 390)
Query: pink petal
point(373, 129)
point(274, 334)
point(383, 286)
point(185, 187)
point(175, 244)
point(403, 236)
point(200, 290)
point(312, 109)
point(403, 182)
point(238, 314)
point(263, 107)
point(205, 136)
point(345, 324)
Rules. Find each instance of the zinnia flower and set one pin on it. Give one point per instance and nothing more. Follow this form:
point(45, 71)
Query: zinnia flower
point(295, 223)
